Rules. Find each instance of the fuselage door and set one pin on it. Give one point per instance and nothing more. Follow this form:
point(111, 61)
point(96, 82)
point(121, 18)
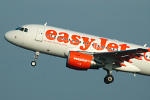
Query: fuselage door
point(39, 34)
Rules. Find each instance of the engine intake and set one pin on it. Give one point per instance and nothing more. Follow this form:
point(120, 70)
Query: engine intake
point(81, 61)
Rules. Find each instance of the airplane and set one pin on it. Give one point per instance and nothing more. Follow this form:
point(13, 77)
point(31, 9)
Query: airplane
point(82, 51)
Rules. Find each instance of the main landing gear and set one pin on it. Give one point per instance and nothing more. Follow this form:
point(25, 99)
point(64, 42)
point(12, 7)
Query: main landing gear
point(109, 78)
point(33, 63)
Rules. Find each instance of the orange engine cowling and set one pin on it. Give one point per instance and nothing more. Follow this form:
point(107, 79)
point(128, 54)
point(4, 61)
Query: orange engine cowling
point(80, 61)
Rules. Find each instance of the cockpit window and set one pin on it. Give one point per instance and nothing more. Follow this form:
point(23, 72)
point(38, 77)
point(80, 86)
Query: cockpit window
point(25, 30)
point(18, 28)
point(22, 29)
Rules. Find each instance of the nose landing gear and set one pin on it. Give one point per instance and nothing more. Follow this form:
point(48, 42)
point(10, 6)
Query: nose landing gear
point(33, 63)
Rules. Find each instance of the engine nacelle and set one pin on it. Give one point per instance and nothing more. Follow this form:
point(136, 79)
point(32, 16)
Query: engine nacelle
point(80, 61)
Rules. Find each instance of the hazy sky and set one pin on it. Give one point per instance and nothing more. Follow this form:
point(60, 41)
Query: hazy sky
point(125, 20)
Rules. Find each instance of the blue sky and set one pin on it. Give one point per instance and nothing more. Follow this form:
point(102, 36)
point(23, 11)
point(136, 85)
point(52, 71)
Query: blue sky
point(125, 20)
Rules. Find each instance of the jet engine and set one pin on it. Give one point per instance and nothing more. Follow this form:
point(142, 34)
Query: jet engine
point(81, 61)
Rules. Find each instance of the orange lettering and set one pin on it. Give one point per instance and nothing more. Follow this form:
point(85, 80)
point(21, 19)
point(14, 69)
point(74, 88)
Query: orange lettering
point(146, 57)
point(112, 47)
point(75, 39)
point(102, 46)
point(51, 34)
point(124, 46)
point(86, 42)
point(63, 38)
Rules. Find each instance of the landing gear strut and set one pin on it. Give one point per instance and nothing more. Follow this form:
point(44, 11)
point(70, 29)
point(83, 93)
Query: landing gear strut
point(109, 78)
point(33, 63)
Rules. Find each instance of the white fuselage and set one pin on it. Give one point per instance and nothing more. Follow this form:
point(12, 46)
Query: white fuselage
point(58, 42)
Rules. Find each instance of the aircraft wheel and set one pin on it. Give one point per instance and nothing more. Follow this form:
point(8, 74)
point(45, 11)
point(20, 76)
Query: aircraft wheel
point(33, 63)
point(108, 79)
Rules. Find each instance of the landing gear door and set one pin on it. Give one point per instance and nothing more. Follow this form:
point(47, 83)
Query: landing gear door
point(39, 34)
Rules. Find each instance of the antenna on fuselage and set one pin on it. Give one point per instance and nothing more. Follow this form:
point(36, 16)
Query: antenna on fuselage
point(145, 45)
point(45, 24)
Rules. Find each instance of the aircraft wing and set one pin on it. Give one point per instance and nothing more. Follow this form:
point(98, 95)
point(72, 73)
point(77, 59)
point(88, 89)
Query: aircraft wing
point(120, 56)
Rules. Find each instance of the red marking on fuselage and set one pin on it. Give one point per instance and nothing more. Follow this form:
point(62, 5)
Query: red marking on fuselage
point(146, 57)
point(76, 39)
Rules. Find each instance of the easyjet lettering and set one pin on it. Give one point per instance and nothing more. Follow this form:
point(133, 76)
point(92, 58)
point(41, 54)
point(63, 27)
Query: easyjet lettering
point(75, 40)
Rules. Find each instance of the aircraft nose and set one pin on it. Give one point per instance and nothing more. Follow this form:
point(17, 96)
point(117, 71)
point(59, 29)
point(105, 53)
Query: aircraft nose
point(9, 36)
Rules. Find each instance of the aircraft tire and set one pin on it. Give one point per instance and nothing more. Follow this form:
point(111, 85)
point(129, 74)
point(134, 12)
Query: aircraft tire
point(33, 63)
point(108, 79)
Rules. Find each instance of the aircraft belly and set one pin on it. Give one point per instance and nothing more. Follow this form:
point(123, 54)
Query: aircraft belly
point(47, 48)
point(128, 68)
point(143, 65)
